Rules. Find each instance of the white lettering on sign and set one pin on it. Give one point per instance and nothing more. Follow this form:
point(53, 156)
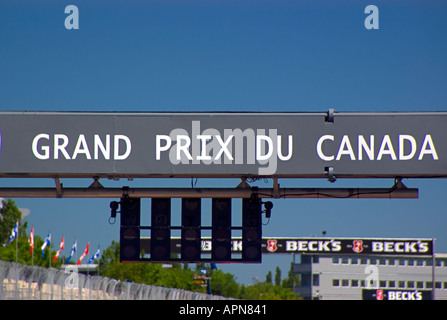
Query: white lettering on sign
point(313, 245)
point(206, 245)
point(237, 245)
point(406, 149)
point(404, 295)
point(45, 146)
point(400, 246)
point(210, 147)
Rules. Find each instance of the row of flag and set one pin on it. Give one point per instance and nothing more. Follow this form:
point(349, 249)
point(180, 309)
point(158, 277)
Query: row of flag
point(47, 242)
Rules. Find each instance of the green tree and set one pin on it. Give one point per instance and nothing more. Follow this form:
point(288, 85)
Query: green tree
point(9, 216)
point(177, 278)
point(268, 277)
point(268, 291)
point(19, 248)
point(145, 273)
point(291, 280)
point(224, 284)
point(110, 256)
point(278, 276)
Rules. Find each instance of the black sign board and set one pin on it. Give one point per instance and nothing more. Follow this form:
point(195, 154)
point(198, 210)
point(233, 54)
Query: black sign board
point(272, 245)
point(295, 145)
point(396, 295)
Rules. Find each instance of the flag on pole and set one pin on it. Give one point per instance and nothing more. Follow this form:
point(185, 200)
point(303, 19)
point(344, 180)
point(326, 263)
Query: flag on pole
point(61, 247)
point(95, 256)
point(73, 250)
point(31, 241)
point(83, 255)
point(46, 243)
point(14, 234)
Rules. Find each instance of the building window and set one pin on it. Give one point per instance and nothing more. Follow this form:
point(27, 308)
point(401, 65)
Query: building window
point(355, 260)
point(419, 284)
point(364, 261)
point(373, 261)
point(306, 280)
point(335, 260)
point(429, 284)
point(401, 261)
point(335, 282)
point(392, 284)
point(438, 262)
point(382, 261)
point(410, 262)
point(362, 283)
point(373, 283)
point(354, 283)
point(345, 283)
point(316, 259)
point(345, 260)
point(410, 284)
point(401, 284)
point(445, 285)
point(382, 283)
point(306, 259)
point(392, 262)
point(420, 262)
point(316, 280)
point(438, 285)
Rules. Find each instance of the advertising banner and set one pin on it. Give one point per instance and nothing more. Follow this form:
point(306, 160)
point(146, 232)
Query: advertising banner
point(351, 246)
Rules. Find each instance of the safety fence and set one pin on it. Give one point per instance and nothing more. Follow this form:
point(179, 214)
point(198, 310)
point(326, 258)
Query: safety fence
point(24, 282)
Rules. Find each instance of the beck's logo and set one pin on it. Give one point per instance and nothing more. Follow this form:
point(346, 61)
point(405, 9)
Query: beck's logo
point(272, 245)
point(357, 246)
point(379, 294)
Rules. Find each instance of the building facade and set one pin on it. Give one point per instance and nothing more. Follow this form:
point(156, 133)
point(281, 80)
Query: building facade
point(371, 276)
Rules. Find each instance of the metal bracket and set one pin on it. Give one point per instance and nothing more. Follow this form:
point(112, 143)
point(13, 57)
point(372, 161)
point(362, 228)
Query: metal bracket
point(59, 186)
point(125, 192)
point(330, 174)
point(275, 193)
point(96, 184)
point(330, 115)
point(398, 184)
point(243, 184)
point(254, 195)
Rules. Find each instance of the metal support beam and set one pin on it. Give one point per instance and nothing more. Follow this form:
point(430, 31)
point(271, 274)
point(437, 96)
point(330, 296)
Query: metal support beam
point(311, 193)
point(58, 187)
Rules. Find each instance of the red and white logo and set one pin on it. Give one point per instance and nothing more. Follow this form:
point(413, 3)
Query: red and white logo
point(272, 245)
point(357, 246)
point(379, 294)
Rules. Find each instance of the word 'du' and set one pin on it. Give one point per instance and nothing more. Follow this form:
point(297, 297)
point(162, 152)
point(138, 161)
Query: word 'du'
point(211, 147)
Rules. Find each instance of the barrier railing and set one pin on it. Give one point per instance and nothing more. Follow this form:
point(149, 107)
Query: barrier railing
point(24, 282)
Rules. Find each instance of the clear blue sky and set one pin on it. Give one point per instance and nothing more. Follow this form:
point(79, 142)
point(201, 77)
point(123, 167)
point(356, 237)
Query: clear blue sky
point(225, 55)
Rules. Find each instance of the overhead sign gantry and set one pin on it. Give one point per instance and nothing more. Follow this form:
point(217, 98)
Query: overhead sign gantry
point(283, 145)
point(117, 145)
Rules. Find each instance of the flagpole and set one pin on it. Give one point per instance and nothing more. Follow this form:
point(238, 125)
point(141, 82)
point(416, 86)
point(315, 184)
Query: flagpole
point(98, 261)
point(49, 251)
point(31, 243)
point(32, 249)
point(17, 241)
point(47, 242)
